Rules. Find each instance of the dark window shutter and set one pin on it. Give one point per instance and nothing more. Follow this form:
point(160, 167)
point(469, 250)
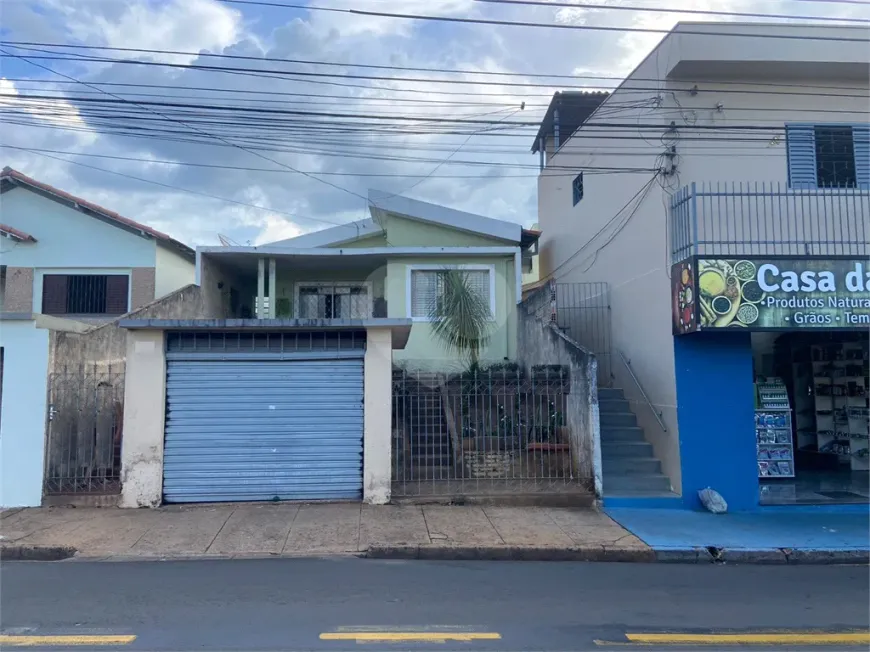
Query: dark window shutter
point(577, 189)
point(801, 150)
point(116, 294)
point(54, 294)
point(861, 144)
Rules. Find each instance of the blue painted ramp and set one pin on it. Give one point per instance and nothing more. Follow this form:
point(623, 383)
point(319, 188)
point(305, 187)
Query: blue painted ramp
point(797, 529)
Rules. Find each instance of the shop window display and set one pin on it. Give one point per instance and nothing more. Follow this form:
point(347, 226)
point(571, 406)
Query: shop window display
point(812, 421)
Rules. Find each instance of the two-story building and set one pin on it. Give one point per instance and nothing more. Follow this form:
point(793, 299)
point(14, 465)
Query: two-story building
point(733, 239)
point(65, 264)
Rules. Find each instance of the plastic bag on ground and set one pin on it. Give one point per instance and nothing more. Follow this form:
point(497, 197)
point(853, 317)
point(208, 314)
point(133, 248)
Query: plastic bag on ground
point(712, 500)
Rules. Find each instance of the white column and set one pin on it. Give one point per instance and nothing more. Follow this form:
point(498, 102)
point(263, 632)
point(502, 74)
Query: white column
point(272, 290)
point(261, 288)
point(378, 406)
point(144, 413)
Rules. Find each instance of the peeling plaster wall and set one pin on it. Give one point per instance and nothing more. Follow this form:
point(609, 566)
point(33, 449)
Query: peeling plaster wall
point(542, 343)
point(107, 344)
point(377, 441)
point(144, 407)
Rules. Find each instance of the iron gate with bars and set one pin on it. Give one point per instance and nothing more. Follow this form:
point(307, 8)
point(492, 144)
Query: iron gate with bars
point(581, 311)
point(490, 431)
point(85, 418)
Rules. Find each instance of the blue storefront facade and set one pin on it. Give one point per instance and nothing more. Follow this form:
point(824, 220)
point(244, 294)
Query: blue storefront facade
point(770, 342)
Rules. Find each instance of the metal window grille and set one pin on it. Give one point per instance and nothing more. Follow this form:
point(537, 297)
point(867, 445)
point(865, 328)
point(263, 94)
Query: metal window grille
point(334, 302)
point(835, 157)
point(499, 430)
point(427, 286)
point(577, 189)
point(85, 422)
point(258, 342)
point(85, 294)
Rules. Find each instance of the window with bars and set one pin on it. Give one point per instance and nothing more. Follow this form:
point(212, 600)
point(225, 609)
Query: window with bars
point(835, 157)
point(85, 294)
point(426, 287)
point(828, 156)
point(577, 189)
point(339, 301)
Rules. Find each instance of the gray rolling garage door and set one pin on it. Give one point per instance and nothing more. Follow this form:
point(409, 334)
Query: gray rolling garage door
point(254, 427)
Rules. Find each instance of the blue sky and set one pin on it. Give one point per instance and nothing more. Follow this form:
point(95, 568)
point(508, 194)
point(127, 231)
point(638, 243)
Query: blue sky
point(277, 204)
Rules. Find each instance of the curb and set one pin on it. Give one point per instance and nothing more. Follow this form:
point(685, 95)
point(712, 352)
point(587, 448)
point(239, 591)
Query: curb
point(762, 556)
point(35, 553)
point(513, 553)
point(769, 556)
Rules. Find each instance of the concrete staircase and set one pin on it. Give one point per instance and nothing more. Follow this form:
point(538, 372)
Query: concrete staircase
point(431, 457)
point(629, 467)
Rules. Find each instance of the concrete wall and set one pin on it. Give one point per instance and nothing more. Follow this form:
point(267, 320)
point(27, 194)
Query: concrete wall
point(540, 343)
point(404, 232)
point(172, 271)
point(144, 414)
point(422, 348)
point(631, 252)
point(377, 441)
point(23, 413)
point(18, 289)
point(107, 344)
point(372, 241)
point(142, 282)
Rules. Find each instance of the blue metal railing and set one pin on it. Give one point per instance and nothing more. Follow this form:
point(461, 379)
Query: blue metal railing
point(757, 219)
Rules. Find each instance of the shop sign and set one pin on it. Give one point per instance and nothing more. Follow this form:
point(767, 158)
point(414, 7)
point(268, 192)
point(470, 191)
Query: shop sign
point(770, 294)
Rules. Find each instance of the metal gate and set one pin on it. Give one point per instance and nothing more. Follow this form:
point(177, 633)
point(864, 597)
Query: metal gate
point(85, 418)
point(582, 311)
point(263, 425)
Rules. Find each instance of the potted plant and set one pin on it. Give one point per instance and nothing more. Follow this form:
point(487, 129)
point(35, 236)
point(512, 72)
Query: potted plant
point(548, 433)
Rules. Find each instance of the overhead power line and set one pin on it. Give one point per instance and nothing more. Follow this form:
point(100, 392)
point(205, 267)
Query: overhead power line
point(244, 91)
point(301, 76)
point(862, 3)
point(225, 141)
point(594, 170)
point(633, 125)
point(96, 106)
point(178, 188)
point(669, 10)
point(508, 23)
point(605, 28)
point(347, 64)
point(271, 111)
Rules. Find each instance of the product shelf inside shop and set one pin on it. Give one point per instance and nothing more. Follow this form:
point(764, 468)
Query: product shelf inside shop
point(773, 428)
point(840, 396)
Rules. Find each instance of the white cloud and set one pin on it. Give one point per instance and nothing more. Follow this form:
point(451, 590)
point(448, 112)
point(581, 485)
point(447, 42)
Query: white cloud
point(184, 25)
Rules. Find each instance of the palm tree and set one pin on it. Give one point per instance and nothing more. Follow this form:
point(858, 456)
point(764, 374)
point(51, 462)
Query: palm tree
point(460, 316)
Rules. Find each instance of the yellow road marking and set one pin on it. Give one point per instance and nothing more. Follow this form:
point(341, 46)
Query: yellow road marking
point(771, 638)
point(430, 637)
point(32, 641)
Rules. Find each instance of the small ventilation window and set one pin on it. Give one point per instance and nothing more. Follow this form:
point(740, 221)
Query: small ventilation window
point(577, 189)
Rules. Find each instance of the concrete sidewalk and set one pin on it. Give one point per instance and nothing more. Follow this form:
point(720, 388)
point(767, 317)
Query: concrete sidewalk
point(265, 530)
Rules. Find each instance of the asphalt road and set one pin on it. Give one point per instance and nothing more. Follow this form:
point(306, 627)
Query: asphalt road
point(289, 604)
